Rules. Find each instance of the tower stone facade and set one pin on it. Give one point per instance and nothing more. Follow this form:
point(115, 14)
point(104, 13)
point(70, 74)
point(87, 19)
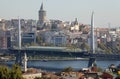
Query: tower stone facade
point(42, 15)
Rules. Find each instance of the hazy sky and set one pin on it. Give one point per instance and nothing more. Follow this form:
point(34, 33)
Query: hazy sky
point(106, 11)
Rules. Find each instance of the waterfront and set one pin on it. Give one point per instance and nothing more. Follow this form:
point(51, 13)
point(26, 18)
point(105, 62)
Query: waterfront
point(58, 65)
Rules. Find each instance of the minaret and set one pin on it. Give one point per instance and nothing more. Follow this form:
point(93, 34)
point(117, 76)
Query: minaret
point(19, 34)
point(92, 34)
point(42, 14)
point(25, 62)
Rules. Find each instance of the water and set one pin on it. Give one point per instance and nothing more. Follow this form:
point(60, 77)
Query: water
point(58, 65)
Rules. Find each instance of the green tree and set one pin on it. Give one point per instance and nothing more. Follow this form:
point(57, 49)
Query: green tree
point(4, 72)
point(72, 47)
point(27, 44)
point(33, 44)
point(68, 69)
point(104, 47)
point(84, 46)
point(39, 40)
point(101, 46)
point(81, 27)
point(16, 72)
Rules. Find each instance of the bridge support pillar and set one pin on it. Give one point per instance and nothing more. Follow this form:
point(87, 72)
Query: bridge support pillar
point(91, 62)
point(18, 58)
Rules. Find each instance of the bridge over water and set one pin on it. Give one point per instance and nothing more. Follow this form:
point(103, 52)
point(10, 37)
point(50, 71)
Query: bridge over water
point(62, 52)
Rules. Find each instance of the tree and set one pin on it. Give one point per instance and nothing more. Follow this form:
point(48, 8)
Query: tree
point(105, 48)
point(33, 44)
point(16, 72)
point(68, 69)
point(4, 72)
point(27, 44)
point(85, 46)
point(81, 27)
point(39, 40)
point(101, 46)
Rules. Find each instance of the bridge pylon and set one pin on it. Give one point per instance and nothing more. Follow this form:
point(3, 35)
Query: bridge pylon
point(91, 62)
point(18, 58)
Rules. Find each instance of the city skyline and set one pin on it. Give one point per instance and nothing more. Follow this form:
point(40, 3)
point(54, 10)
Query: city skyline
point(105, 11)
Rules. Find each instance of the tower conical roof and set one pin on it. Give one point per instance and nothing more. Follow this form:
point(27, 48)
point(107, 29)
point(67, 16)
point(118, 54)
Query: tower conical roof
point(41, 8)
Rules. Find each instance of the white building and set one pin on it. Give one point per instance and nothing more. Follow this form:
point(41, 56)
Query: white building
point(55, 38)
point(32, 75)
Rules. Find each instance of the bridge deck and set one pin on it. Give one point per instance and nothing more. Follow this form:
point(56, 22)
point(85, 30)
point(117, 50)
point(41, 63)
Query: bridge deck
point(62, 52)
